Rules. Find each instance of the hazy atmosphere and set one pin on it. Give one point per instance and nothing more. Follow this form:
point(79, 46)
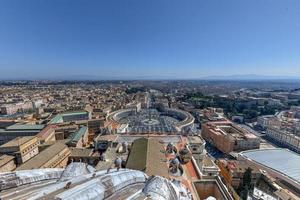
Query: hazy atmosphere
point(156, 39)
point(150, 99)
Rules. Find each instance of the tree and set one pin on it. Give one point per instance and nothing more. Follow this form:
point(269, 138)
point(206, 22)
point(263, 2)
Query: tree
point(247, 177)
point(244, 194)
point(246, 184)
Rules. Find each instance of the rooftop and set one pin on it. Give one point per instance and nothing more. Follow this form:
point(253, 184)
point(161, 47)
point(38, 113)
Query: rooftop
point(25, 127)
point(147, 155)
point(46, 131)
point(5, 159)
point(59, 117)
point(195, 139)
point(79, 152)
point(74, 137)
point(109, 137)
point(239, 165)
point(83, 182)
point(44, 156)
point(228, 128)
point(280, 160)
point(17, 141)
point(12, 132)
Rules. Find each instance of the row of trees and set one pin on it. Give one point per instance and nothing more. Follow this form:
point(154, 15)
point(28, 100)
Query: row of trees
point(230, 106)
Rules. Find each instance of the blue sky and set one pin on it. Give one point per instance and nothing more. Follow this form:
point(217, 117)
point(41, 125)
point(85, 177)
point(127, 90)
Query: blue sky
point(148, 38)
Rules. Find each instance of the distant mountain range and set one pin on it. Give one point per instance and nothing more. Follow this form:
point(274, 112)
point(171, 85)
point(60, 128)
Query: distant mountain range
point(250, 77)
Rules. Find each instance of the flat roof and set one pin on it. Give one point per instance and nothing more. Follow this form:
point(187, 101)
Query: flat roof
point(137, 158)
point(283, 161)
point(59, 117)
point(195, 139)
point(80, 152)
point(109, 137)
point(14, 132)
point(74, 113)
point(43, 157)
point(147, 155)
point(25, 127)
point(17, 141)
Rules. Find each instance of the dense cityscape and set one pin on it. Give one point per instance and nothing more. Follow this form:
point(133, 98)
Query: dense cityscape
point(149, 100)
point(150, 140)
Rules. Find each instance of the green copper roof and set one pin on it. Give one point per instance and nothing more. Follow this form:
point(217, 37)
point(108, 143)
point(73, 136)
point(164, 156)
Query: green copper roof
point(76, 136)
point(59, 117)
point(25, 127)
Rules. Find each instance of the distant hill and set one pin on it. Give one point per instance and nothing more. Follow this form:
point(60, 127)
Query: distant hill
point(250, 77)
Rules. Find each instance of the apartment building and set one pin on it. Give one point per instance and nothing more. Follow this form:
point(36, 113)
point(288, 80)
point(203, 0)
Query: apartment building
point(285, 138)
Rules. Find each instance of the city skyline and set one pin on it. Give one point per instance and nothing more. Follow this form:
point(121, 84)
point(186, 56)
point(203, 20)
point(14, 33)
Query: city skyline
point(149, 40)
point(150, 99)
point(128, 140)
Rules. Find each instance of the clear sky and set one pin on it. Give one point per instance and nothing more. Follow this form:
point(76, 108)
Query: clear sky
point(148, 38)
